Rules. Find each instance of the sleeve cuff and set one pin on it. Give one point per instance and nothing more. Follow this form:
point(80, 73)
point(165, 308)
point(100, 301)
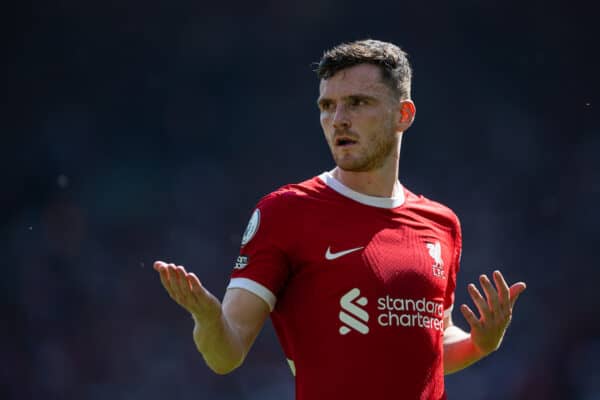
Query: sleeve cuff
point(255, 288)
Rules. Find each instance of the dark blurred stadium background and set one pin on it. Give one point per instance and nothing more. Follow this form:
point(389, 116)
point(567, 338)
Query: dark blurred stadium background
point(143, 130)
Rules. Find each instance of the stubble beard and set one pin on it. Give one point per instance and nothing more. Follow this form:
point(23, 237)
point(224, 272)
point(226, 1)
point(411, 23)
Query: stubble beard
point(372, 157)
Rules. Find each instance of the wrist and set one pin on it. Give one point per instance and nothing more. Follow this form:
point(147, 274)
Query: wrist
point(479, 351)
point(207, 322)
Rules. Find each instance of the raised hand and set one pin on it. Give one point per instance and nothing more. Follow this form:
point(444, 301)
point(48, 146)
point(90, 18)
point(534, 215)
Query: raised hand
point(187, 291)
point(495, 311)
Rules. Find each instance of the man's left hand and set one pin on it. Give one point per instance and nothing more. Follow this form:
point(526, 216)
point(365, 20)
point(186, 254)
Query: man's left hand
point(495, 311)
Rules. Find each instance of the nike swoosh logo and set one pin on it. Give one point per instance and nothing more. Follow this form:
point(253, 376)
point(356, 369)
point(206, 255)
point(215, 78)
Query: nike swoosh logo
point(332, 256)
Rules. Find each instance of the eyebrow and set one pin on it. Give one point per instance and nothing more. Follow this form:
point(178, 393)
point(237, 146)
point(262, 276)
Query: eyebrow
point(322, 100)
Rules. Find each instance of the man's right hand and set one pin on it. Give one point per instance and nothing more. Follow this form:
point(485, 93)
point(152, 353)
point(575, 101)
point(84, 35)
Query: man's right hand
point(223, 334)
point(187, 291)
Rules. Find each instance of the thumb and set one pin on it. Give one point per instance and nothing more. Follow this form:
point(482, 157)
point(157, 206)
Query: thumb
point(515, 292)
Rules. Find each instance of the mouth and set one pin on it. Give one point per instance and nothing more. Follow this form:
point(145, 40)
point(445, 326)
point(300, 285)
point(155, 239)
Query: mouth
point(344, 141)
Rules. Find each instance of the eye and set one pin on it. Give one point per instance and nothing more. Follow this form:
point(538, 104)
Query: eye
point(357, 101)
point(326, 106)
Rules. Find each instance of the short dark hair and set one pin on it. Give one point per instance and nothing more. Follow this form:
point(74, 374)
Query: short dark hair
point(391, 60)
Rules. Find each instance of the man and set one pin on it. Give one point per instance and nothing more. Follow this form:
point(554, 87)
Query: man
point(357, 272)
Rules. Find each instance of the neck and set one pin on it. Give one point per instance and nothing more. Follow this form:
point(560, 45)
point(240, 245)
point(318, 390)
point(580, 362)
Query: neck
point(382, 182)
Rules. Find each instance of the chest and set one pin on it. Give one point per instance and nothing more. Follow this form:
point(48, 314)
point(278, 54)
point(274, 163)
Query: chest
point(377, 251)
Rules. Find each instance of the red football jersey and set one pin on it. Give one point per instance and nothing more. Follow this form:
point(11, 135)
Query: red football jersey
point(358, 287)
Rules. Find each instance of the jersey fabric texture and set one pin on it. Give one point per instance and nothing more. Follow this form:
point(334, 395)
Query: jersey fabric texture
point(358, 287)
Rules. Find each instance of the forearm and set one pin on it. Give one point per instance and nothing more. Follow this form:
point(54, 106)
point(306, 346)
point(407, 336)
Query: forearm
point(223, 332)
point(459, 350)
point(219, 344)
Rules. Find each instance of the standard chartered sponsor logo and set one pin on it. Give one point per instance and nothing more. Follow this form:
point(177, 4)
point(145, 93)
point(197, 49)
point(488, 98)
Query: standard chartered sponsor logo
point(351, 315)
point(392, 312)
point(421, 312)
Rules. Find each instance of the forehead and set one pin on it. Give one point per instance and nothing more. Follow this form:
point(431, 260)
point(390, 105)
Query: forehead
point(362, 78)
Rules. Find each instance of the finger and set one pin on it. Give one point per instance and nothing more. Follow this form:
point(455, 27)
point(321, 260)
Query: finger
point(197, 291)
point(480, 303)
point(171, 275)
point(170, 280)
point(502, 286)
point(490, 293)
point(158, 265)
point(181, 284)
point(167, 281)
point(194, 282)
point(470, 317)
point(164, 278)
point(186, 286)
point(515, 292)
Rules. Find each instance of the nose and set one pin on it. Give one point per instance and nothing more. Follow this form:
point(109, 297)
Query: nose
point(341, 120)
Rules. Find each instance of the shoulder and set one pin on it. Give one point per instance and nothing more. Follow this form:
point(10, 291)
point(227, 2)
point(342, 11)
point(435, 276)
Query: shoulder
point(291, 195)
point(277, 211)
point(433, 210)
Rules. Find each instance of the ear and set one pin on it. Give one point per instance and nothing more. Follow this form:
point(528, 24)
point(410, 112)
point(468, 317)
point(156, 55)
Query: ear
point(407, 114)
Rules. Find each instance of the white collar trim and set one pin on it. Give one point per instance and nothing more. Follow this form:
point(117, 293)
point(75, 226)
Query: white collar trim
point(381, 202)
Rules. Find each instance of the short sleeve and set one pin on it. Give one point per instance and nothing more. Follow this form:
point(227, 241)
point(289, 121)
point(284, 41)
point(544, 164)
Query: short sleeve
point(454, 266)
point(262, 266)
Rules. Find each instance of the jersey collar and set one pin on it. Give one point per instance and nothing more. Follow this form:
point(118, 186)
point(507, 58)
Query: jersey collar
point(381, 202)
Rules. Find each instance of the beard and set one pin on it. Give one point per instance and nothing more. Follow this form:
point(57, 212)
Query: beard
point(371, 157)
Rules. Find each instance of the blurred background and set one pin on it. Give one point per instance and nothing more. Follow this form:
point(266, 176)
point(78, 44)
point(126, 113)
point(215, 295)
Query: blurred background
point(142, 130)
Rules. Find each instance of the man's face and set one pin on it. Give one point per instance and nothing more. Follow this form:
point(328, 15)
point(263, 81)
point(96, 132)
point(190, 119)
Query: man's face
point(359, 115)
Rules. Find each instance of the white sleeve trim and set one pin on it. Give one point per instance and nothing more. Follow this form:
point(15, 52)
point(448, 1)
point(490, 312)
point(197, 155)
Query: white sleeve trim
point(256, 288)
point(448, 311)
point(292, 366)
point(454, 334)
